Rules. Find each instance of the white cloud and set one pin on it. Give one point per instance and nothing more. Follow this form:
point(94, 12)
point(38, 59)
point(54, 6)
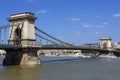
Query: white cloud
point(42, 12)
point(97, 16)
point(97, 32)
point(117, 15)
point(74, 19)
point(87, 25)
point(100, 26)
point(104, 23)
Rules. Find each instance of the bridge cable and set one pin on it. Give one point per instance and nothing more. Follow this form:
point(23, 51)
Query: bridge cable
point(5, 26)
point(11, 33)
point(5, 35)
point(48, 35)
point(51, 36)
point(44, 38)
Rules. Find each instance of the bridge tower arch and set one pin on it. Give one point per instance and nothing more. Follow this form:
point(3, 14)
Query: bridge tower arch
point(22, 28)
point(17, 39)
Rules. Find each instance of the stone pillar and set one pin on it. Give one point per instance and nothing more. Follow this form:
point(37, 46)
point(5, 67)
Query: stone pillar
point(21, 33)
point(29, 57)
point(22, 29)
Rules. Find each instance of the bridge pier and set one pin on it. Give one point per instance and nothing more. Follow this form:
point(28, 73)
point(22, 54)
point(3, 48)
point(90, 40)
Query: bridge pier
point(29, 57)
point(13, 57)
point(21, 57)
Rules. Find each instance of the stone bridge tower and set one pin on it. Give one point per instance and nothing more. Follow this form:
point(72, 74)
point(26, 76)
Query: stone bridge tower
point(105, 43)
point(21, 33)
point(22, 29)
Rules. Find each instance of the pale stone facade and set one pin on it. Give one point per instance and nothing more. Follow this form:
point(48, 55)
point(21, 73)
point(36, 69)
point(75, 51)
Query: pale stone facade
point(22, 28)
point(117, 45)
point(105, 42)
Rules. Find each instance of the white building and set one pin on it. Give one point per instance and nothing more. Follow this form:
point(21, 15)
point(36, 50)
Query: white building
point(117, 45)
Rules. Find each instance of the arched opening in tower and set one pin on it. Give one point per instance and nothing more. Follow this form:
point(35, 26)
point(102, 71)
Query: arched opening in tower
point(18, 32)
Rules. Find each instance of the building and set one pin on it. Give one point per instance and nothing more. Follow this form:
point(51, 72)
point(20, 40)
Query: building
point(117, 45)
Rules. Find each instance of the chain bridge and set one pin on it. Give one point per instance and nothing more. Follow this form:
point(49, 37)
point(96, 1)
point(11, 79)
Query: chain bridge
point(21, 40)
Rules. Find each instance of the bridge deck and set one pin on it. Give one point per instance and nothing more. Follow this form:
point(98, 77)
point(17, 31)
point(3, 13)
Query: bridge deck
point(8, 47)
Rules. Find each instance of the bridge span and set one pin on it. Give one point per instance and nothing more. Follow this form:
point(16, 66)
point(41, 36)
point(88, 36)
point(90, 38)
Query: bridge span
point(25, 39)
point(38, 47)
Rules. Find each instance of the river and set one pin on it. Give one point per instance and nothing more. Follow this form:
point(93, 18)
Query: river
point(64, 69)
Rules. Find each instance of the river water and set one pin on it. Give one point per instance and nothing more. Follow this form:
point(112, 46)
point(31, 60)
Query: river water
point(64, 69)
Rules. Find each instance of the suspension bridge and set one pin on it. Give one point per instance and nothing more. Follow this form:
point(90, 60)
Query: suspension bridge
point(21, 40)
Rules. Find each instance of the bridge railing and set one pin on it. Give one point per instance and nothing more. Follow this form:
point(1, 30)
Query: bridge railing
point(9, 46)
point(32, 45)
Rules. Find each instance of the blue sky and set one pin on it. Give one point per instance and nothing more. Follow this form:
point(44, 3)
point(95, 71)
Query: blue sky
point(74, 21)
